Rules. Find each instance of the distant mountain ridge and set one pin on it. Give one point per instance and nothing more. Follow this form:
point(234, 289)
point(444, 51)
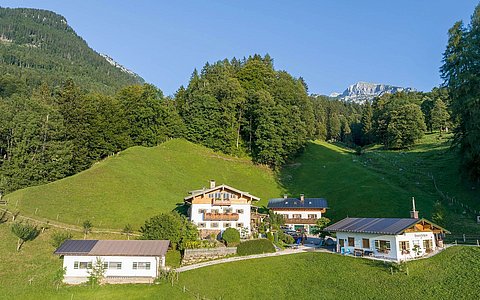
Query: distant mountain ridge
point(39, 46)
point(362, 91)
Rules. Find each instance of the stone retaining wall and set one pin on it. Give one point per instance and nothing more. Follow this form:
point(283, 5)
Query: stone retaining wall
point(191, 256)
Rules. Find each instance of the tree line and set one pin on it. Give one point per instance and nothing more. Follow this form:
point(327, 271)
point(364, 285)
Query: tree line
point(54, 132)
point(240, 107)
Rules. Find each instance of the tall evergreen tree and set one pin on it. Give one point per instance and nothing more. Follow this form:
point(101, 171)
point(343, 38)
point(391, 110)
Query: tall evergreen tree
point(461, 71)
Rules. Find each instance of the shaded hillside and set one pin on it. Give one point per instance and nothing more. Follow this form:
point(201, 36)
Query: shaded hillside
point(140, 182)
point(382, 183)
point(38, 45)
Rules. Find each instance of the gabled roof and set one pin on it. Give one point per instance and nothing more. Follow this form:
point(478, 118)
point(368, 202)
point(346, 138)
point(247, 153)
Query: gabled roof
point(222, 187)
point(114, 248)
point(76, 247)
point(390, 226)
point(297, 203)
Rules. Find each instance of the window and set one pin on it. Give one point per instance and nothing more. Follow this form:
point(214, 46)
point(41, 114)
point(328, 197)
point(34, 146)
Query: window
point(214, 225)
point(239, 225)
point(382, 245)
point(214, 211)
point(227, 210)
point(112, 265)
point(404, 245)
point(351, 242)
point(141, 266)
point(202, 211)
point(202, 225)
point(427, 245)
point(82, 265)
point(297, 216)
point(312, 216)
point(341, 242)
point(239, 211)
point(365, 243)
point(226, 225)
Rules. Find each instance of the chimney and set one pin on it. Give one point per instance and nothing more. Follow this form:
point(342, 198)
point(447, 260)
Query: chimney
point(212, 183)
point(414, 213)
point(285, 196)
point(302, 197)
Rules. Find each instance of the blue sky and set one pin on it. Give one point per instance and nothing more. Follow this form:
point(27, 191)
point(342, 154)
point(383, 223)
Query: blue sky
point(331, 44)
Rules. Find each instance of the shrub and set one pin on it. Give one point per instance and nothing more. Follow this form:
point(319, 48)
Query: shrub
point(59, 237)
point(231, 236)
point(270, 236)
point(255, 247)
point(287, 239)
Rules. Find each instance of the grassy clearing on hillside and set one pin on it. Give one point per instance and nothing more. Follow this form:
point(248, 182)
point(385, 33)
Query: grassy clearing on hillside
point(139, 183)
point(453, 274)
point(381, 183)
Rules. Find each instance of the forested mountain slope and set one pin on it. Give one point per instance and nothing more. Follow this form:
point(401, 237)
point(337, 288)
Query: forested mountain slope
point(39, 46)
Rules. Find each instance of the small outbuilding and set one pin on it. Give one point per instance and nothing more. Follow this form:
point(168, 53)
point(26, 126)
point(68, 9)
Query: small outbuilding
point(136, 261)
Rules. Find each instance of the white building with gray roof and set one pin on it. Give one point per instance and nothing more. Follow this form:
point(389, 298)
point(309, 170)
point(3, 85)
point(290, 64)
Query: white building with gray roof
point(136, 261)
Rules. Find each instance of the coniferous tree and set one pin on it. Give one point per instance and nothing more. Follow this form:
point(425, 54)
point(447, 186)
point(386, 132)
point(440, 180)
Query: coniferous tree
point(461, 71)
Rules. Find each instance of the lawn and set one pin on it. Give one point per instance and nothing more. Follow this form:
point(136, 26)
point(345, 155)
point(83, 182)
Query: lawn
point(140, 182)
point(453, 274)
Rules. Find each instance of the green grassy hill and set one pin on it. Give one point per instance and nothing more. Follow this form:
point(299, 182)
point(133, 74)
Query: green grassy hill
point(382, 183)
point(453, 274)
point(138, 183)
point(141, 182)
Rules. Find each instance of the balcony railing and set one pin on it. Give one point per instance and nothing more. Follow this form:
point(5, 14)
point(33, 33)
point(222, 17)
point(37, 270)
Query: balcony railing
point(300, 221)
point(222, 202)
point(220, 217)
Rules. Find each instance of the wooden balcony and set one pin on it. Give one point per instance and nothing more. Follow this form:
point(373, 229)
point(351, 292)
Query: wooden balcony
point(222, 202)
point(300, 221)
point(220, 217)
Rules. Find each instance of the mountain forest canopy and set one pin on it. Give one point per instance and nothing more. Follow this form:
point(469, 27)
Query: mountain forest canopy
point(38, 46)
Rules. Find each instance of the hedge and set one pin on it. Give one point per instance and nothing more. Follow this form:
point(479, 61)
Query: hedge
point(255, 247)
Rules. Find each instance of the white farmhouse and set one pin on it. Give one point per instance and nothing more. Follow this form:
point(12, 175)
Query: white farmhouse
point(299, 213)
point(219, 207)
point(136, 261)
point(395, 239)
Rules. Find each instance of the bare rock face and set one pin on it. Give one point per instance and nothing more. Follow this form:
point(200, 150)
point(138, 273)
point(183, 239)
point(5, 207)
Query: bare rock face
point(365, 91)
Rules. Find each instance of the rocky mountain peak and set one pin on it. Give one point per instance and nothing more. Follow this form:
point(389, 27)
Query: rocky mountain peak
point(361, 91)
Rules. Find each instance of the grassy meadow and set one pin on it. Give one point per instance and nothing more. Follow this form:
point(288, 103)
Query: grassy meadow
point(139, 183)
point(453, 274)
point(381, 183)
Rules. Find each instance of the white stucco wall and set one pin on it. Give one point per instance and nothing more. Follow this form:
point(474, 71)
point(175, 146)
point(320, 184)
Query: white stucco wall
point(244, 217)
point(304, 214)
point(395, 252)
point(126, 270)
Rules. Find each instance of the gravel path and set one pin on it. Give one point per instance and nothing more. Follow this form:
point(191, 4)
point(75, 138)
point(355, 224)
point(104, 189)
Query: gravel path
point(301, 249)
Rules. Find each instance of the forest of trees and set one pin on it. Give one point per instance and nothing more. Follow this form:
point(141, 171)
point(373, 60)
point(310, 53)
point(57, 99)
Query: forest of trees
point(246, 106)
point(52, 132)
point(461, 72)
